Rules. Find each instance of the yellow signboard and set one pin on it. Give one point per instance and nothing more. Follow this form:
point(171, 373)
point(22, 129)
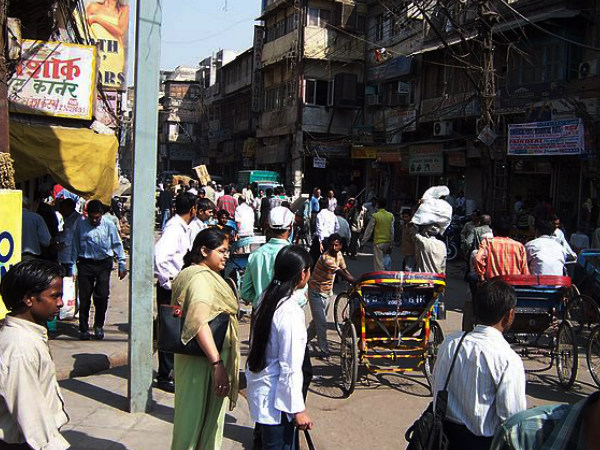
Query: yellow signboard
point(107, 24)
point(364, 152)
point(11, 219)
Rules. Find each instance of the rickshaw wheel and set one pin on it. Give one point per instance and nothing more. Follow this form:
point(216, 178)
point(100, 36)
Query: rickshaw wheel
point(436, 337)
point(566, 355)
point(341, 311)
point(581, 310)
point(593, 355)
point(349, 357)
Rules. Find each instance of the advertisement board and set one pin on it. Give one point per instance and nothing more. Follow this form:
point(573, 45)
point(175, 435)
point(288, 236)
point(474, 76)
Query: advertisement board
point(107, 24)
point(426, 160)
point(555, 137)
point(10, 233)
point(54, 78)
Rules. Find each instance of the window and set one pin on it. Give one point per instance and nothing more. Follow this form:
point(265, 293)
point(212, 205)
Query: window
point(279, 96)
point(318, 93)
point(318, 17)
point(281, 27)
point(379, 27)
point(543, 62)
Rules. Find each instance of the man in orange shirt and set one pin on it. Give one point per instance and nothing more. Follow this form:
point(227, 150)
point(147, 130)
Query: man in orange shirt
point(501, 255)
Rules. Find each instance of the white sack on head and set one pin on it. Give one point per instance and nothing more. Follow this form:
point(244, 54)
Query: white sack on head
point(436, 192)
point(433, 210)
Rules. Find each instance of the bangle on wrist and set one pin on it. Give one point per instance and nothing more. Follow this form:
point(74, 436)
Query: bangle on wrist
point(217, 362)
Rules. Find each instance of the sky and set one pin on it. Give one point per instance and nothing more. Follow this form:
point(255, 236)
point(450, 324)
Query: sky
point(194, 29)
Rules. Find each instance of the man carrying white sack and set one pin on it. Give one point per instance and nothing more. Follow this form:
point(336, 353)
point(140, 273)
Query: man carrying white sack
point(432, 217)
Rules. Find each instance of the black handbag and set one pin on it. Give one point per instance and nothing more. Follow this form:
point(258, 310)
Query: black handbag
point(170, 326)
point(427, 433)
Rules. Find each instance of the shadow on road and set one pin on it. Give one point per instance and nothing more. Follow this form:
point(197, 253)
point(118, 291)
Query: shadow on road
point(81, 441)
point(238, 433)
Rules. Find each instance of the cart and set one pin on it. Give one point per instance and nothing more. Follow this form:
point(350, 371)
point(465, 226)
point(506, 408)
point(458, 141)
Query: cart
point(390, 325)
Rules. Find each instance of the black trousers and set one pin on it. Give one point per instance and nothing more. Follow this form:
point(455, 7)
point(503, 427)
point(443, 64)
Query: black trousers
point(94, 281)
point(166, 361)
point(460, 438)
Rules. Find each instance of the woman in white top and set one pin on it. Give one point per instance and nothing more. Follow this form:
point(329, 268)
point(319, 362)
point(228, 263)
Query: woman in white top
point(274, 367)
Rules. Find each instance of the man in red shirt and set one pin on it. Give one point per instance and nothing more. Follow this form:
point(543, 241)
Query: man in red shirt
point(501, 255)
point(227, 202)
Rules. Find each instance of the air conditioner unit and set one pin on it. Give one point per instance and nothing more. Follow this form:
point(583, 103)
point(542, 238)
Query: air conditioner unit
point(588, 69)
point(403, 88)
point(373, 100)
point(399, 100)
point(443, 128)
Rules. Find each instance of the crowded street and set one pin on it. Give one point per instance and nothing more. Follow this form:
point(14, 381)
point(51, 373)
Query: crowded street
point(299, 224)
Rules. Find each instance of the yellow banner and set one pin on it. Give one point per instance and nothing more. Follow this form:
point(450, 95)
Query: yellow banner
point(108, 25)
point(11, 219)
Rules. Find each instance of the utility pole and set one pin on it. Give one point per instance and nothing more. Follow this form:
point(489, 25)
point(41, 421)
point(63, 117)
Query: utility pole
point(3, 80)
point(486, 18)
point(145, 138)
point(298, 141)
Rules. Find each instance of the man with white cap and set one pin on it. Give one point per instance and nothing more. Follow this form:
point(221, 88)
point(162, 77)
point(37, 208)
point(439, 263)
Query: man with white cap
point(261, 263)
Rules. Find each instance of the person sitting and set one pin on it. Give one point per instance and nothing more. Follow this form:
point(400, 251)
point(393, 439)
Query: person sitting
point(488, 380)
point(545, 256)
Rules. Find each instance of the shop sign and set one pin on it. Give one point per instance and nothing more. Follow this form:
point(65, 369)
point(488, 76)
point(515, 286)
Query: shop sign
point(55, 79)
point(426, 160)
point(10, 233)
point(106, 109)
point(391, 69)
point(364, 152)
point(108, 27)
point(401, 121)
point(319, 163)
point(457, 159)
point(555, 137)
point(259, 41)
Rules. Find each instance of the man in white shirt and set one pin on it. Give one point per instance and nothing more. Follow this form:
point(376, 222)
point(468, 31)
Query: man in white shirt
point(205, 210)
point(579, 240)
point(244, 218)
point(331, 201)
point(487, 385)
point(326, 225)
point(430, 252)
point(559, 236)
point(168, 262)
point(31, 405)
point(545, 256)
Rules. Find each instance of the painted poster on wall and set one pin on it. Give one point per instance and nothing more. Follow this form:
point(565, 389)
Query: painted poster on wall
point(107, 24)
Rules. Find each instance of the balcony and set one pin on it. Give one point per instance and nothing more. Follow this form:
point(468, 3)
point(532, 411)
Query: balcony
point(330, 44)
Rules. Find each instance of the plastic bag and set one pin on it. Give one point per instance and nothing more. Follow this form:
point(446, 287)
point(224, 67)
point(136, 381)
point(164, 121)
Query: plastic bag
point(67, 312)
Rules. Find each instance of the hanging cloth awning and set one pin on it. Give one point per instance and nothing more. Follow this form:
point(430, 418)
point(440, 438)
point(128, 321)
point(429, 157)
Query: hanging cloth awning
point(79, 159)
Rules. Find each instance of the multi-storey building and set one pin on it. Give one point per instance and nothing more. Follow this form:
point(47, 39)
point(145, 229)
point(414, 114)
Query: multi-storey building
point(312, 90)
point(179, 149)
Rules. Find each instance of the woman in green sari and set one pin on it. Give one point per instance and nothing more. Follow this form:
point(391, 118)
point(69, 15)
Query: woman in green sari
point(204, 382)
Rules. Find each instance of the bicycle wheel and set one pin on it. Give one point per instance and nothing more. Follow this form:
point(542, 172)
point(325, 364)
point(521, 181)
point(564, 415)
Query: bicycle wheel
point(436, 337)
point(582, 311)
point(593, 355)
point(341, 311)
point(567, 355)
point(349, 358)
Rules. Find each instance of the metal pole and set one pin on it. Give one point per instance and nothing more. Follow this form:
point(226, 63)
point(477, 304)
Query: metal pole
point(145, 138)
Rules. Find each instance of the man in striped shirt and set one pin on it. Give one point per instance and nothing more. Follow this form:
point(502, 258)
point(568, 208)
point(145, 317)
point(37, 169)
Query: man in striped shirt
point(227, 202)
point(487, 385)
point(501, 255)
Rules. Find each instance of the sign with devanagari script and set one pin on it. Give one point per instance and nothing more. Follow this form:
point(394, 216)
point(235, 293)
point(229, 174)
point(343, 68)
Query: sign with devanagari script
point(54, 79)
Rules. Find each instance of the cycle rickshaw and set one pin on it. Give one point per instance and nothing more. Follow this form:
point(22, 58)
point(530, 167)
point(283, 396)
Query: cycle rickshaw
point(388, 324)
point(541, 328)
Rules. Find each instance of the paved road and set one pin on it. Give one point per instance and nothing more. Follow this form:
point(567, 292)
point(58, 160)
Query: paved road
point(376, 416)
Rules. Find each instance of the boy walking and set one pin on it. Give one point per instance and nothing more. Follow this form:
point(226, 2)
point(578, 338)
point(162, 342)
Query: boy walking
point(31, 405)
point(320, 289)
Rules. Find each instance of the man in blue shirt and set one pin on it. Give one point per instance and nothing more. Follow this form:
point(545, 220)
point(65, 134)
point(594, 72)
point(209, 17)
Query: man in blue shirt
point(96, 242)
point(314, 208)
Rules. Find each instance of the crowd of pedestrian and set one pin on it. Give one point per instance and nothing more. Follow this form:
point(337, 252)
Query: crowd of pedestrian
point(486, 406)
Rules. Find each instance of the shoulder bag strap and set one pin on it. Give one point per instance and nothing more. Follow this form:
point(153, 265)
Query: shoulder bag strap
point(454, 359)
